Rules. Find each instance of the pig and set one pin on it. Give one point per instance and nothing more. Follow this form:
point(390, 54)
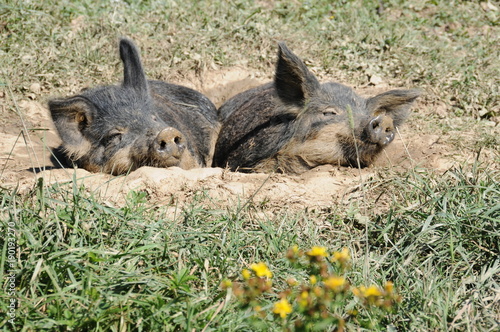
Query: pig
point(119, 128)
point(296, 123)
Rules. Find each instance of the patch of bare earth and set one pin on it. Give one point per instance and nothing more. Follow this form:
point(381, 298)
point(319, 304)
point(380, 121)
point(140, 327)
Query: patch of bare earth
point(26, 158)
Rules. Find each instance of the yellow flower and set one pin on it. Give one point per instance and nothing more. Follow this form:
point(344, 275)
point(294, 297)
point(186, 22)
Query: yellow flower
point(282, 308)
point(317, 252)
point(261, 270)
point(372, 291)
point(342, 256)
point(359, 291)
point(246, 274)
point(226, 283)
point(335, 283)
point(371, 295)
point(313, 280)
point(293, 253)
point(303, 299)
point(389, 287)
point(318, 291)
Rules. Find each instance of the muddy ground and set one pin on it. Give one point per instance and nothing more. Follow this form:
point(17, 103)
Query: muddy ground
point(25, 158)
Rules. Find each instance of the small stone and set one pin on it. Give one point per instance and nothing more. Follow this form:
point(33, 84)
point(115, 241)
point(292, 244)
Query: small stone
point(35, 88)
point(375, 80)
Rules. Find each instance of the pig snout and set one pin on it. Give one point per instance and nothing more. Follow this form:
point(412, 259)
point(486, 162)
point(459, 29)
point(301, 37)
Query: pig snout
point(381, 130)
point(169, 143)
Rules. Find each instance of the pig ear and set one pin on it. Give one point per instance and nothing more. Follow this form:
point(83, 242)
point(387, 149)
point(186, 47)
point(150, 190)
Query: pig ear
point(394, 103)
point(293, 81)
point(71, 116)
point(134, 76)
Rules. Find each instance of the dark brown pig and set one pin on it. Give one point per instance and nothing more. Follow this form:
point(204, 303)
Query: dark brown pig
point(118, 128)
point(296, 123)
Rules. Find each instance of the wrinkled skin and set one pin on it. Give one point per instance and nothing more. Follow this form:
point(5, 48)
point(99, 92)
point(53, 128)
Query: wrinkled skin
point(296, 123)
point(116, 129)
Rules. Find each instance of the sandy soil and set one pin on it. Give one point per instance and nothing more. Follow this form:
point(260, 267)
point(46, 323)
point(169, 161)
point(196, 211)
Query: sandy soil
point(26, 158)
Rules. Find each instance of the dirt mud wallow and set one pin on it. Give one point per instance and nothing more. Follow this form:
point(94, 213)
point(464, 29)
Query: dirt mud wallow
point(118, 128)
point(296, 123)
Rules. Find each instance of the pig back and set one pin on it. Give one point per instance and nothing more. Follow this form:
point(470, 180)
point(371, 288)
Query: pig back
point(254, 127)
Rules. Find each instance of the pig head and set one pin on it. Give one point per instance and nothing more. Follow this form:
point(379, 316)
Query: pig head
point(116, 129)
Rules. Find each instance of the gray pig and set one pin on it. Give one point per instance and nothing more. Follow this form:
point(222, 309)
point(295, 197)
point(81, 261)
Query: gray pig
point(296, 123)
point(118, 128)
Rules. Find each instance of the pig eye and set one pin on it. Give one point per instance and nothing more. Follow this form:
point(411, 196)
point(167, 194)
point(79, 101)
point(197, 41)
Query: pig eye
point(113, 138)
point(330, 112)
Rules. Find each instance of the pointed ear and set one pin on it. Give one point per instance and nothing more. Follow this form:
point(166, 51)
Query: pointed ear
point(133, 76)
point(293, 81)
point(71, 117)
point(394, 103)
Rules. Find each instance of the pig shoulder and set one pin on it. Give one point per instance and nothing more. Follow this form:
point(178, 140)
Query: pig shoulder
point(185, 99)
point(243, 99)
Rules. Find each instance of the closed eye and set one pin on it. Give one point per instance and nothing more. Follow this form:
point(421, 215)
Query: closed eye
point(330, 112)
point(113, 138)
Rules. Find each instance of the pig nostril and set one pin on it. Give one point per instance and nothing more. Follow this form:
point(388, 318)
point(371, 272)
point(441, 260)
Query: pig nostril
point(374, 123)
point(163, 145)
point(177, 140)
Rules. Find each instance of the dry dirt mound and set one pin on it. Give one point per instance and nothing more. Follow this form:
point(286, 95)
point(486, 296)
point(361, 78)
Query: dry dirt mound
point(25, 158)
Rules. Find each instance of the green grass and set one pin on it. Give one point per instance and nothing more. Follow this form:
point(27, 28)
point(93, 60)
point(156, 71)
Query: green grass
point(83, 264)
point(447, 48)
